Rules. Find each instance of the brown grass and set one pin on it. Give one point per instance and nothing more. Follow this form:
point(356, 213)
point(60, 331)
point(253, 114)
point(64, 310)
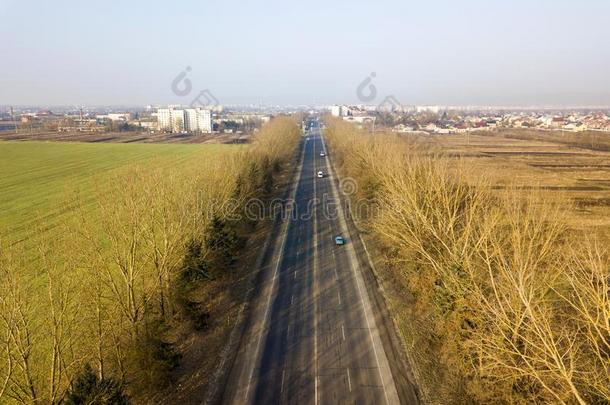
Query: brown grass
point(509, 306)
point(125, 137)
point(577, 179)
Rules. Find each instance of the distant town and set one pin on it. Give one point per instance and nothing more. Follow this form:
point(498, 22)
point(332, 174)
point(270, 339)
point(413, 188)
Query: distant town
point(170, 119)
point(176, 120)
point(452, 120)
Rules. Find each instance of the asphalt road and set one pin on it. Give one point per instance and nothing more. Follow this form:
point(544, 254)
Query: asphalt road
point(312, 335)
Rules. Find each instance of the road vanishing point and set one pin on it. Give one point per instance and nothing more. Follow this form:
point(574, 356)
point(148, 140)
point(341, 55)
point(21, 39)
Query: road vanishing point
point(315, 333)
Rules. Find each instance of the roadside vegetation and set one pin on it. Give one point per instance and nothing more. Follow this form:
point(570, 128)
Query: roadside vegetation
point(496, 299)
point(88, 309)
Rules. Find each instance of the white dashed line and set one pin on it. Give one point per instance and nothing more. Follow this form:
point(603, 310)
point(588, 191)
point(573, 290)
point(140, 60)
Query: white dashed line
point(284, 235)
point(349, 380)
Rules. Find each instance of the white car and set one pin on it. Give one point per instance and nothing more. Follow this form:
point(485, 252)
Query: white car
point(322, 154)
point(320, 174)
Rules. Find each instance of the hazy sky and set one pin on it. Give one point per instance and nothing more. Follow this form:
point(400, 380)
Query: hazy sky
point(533, 52)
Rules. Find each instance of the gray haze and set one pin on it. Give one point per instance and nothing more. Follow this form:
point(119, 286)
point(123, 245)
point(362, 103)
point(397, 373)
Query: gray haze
point(536, 52)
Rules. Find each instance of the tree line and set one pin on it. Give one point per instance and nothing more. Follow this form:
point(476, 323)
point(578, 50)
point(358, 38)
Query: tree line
point(513, 306)
point(84, 316)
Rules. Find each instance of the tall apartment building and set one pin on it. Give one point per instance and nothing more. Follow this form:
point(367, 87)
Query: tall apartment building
point(204, 120)
point(179, 120)
point(335, 110)
point(170, 119)
point(339, 111)
point(198, 120)
point(190, 120)
point(163, 119)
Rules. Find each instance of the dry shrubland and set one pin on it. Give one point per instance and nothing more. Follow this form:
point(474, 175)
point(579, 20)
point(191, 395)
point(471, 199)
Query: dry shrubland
point(102, 295)
point(512, 306)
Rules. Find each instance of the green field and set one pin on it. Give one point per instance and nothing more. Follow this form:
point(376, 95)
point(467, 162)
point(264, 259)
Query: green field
point(37, 177)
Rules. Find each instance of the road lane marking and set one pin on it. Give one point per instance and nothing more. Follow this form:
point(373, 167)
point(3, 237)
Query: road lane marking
point(349, 380)
point(295, 274)
point(343, 332)
point(283, 376)
point(334, 258)
point(339, 296)
point(292, 299)
point(286, 226)
point(315, 266)
point(353, 260)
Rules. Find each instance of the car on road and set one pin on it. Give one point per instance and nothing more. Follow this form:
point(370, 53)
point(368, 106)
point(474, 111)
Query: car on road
point(322, 154)
point(320, 174)
point(339, 240)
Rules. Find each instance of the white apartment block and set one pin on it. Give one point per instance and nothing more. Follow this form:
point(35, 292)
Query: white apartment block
point(204, 120)
point(189, 119)
point(198, 120)
point(428, 108)
point(171, 119)
point(163, 120)
point(340, 110)
point(177, 120)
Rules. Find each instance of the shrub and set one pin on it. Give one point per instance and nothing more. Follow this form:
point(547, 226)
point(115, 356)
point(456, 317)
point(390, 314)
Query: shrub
point(194, 267)
point(88, 388)
point(152, 359)
point(221, 244)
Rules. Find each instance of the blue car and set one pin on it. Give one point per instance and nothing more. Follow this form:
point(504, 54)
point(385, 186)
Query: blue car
point(339, 240)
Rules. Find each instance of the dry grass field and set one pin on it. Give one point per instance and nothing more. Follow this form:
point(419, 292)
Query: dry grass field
point(577, 178)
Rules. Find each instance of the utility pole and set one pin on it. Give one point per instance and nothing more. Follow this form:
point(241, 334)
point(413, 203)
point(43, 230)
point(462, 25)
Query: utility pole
point(13, 118)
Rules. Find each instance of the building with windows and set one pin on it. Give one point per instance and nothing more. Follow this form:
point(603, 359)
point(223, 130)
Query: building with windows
point(198, 120)
point(190, 120)
point(204, 120)
point(170, 119)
